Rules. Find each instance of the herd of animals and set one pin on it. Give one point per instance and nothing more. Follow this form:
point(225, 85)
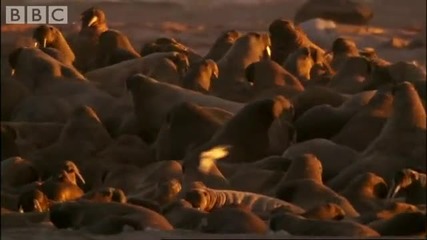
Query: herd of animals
point(266, 133)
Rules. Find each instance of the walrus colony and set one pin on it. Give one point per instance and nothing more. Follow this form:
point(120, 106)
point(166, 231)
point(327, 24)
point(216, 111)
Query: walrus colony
point(267, 132)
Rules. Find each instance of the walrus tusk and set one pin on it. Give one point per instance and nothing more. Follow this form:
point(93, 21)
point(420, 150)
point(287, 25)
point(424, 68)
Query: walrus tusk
point(37, 205)
point(394, 189)
point(268, 49)
point(12, 72)
point(36, 44)
point(80, 177)
point(92, 21)
point(44, 42)
point(20, 210)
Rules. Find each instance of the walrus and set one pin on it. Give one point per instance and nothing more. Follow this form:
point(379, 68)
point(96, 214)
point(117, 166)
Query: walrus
point(33, 201)
point(334, 157)
point(314, 96)
point(114, 47)
point(233, 219)
point(389, 210)
point(385, 155)
point(251, 122)
point(222, 44)
point(247, 49)
point(167, 67)
point(128, 149)
point(12, 93)
point(147, 92)
point(411, 184)
point(298, 225)
point(301, 61)
point(106, 195)
point(329, 120)
point(365, 125)
point(24, 138)
point(9, 148)
point(48, 36)
point(82, 136)
point(84, 45)
point(41, 109)
point(16, 172)
point(303, 186)
point(207, 199)
point(165, 44)
point(200, 75)
point(83, 214)
point(402, 224)
point(61, 188)
point(267, 74)
point(355, 75)
point(367, 192)
point(342, 49)
point(36, 69)
point(173, 140)
point(183, 216)
point(327, 211)
point(340, 11)
point(286, 38)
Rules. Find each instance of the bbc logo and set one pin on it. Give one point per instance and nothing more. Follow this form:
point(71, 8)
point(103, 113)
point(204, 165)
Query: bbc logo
point(36, 14)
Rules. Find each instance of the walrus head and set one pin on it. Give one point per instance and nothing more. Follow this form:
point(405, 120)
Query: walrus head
point(344, 46)
point(368, 185)
point(163, 45)
point(181, 62)
point(33, 201)
point(200, 75)
point(73, 171)
point(306, 166)
point(46, 36)
point(222, 44)
point(199, 198)
point(403, 179)
point(93, 18)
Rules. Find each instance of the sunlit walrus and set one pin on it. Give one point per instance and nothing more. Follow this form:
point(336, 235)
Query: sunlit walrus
point(167, 67)
point(247, 133)
point(233, 219)
point(165, 44)
point(114, 47)
point(287, 38)
point(206, 199)
point(222, 44)
point(84, 45)
point(334, 157)
point(247, 49)
point(48, 36)
point(148, 92)
point(36, 69)
point(173, 140)
point(200, 75)
point(367, 193)
point(303, 186)
point(387, 154)
point(365, 125)
point(411, 184)
point(84, 214)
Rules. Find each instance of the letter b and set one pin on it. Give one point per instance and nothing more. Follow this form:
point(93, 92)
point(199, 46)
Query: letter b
point(15, 15)
point(36, 15)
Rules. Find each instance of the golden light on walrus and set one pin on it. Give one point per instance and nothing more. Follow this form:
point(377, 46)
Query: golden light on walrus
point(208, 158)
